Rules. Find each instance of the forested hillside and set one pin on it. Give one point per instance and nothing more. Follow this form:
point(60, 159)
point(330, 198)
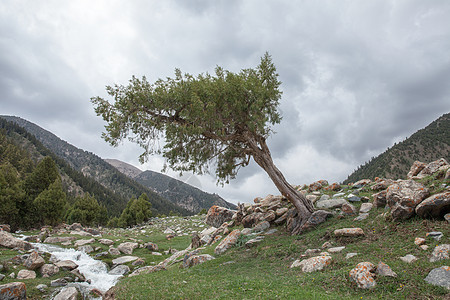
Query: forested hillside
point(427, 144)
point(84, 171)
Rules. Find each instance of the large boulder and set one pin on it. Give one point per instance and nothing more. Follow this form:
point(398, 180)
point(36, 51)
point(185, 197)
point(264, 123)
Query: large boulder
point(124, 260)
point(218, 215)
point(67, 293)
point(34, 261)
point(13, 291)
point(435, 206)
point(48, 270)
point(403, 197)
point(8, 241)
point(79, 243)
point(439, 276)
point(196, 260)
point(26, 274)
point(313, 264)
point(228, 242)
point(379, 199)
point(317, 217)
point(59, 239)
point(432, 168)
point(440, 252)
point(415, 169)
point(66, 264)
point(119, 270)
point(252, 219)
point(330, 203)
point(127, 247)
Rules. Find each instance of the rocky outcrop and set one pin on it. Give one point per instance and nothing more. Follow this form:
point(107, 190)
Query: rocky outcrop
point(13, 291)
point(196, 260)
point(228, 242)
point(67, 293)
point(363, 275)
point(8, 241)
point(34, 261)
point(403, 197)
point(217, 215)
point(127, 247)
point(439, 276)
point(435, 206)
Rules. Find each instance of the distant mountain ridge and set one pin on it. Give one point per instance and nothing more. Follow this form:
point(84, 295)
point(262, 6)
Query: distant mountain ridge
point(90, 165)
point(426, 145)
point(177, 191)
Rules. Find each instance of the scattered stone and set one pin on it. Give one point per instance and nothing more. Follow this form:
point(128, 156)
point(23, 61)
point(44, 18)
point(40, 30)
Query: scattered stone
point(403, 197)
point(13, 291)
point(350, 255)
point(127, 247)
point(42, 287)
point(169, 231)
point(333, 187)
point(269, 232)
point(124, 260)
point(66, 264)
point(34, 261)
point(447, 216)
point(439, 276)
point(313, 264)
point(409, 258)
point(82, 233)
point(326, 245)
point(349, 232)
point(119, 270)
point(419, 241)
point(361, 183)
point(435, 206)
point(348, 209)
point(336, 249)
point(58, 282)
point(83, 242)
point(379, 199)
point(140, 261)
point(147, 270)
point(48, 270)
point(432, 168)
point(353, 198)
point(424, 247)
point(217, 215)
point(106, 242)
point(262, 226)
point(365, 207)
point(75, 227)
point(78, 275)
point(416, 167)
point(362, 216)
point(228, 242)
point(58, 239)
point(250, 220)
point(196, 260)
point(8, 241)
point(151, 246)
point(67, 293)
point(331, 203)
point(384, 270)
point(440, 252)
point(86, 249)
point(363, 275)
point(5, 227)
point(2, 276)
point(254, 241)
point(114, 251)
point(317, 217)
point(437, 235)
point(26, 274)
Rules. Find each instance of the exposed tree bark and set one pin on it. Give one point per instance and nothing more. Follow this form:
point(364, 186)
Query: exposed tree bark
point(263, 158)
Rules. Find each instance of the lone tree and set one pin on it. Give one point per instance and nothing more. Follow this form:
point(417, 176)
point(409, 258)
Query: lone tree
point(222, 120)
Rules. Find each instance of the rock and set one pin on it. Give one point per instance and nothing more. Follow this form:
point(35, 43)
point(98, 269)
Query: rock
point(435, 206)
point(419, 241)
point(2, 276)
point(82, 233)
point(262, 226)
point(313, 264)
point(312, 198)
point(363, 275)
point(269, 232)
point(66, 264)
point(447, 217)
point(42, 287)
point(365, 207)
point(58, 239)
point(34, 261)
point(333, 187)
point(124, 260)
point(75, 226)
point(353, 198)
point(270, 216)
point(409, 258)
point(48, 270)
point(361, 216)
point(67, 293)
point(382, 185)
point(424, 247)
point(8, 241)
point(350, 255)
point(78, 275)
point(315, 186)
point(106, 242)
point(147, 270)
point(250, 220)
point(196, 260)
point(361, 183)
point(281, 211)
point(336, 249)
point(254, 242)
point(432, 168)
point(169, 231)
point(119, 270)
point(384, 270)
point(93, 231)
point(317, 217)
point(151, 246)
point(331, 203)
point(196, 241)
point(437, 235)
point(13, 291)
point(26, 274)
point(83, 242)
point(5, 227)
point(416, 167)
point(217, 215)
point(379, 199)
point(228, 242)
point(439, 276)
point(404, 196)
point(86, 249)
point(326, 245)
point(348, 232)
point(348, 209)
point(58, 282)
point(246, 231)
point(140, 261)
point(114, 251)
point(440, 252)
point(127, 247)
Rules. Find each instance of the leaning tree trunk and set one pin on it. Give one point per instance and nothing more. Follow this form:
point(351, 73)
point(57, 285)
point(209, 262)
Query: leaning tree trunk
point(303, 206)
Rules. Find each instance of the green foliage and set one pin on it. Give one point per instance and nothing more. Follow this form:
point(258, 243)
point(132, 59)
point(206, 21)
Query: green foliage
point(51, 204)
point(41, 178)
point(136, 212)
point(217, 119)
point(87, 211)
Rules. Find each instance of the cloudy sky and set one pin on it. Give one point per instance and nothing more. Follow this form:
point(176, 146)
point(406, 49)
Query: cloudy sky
point(357, 75)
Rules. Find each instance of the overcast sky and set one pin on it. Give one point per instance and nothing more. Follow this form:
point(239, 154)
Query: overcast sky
point(356, 76)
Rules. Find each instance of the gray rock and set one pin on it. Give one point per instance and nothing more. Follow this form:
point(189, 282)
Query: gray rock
point(384, 270)
point(127, 247)
point(331, 203)
point(353, 198)
point(435, 206)
point(403, 197)
point(66, 264)
point(336, 249)
point(439, 276)
point(42, 287)
point(58, 282)
point(119, 270)
point(124, 260)
point(361, 216)
point(229, 241)
point(363, 275)
point(196, 260)
point(67, 293)
point(106, 242)
point(217, 215)
point(114, 251)
point(48, 270)
point(83, 242)
point(440, 252)
point(13, 291)
point(437, 235)
point(86, 249)
point(254, 241)
point(313, 264)
point(365, 207)
point(2, 276)
point(8, 241)
point(432, 168)
point(34, 261)
point(409, 258)
point(26, 274)
point(350, 255)
point(262, 226)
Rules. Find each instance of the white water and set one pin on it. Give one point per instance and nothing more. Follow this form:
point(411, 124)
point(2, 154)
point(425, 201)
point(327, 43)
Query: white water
point(93, 270)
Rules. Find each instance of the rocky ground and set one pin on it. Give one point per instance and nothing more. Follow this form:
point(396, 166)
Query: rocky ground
point(161, 243)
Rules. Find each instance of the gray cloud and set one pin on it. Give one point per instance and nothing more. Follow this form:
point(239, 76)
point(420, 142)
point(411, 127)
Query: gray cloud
point(357, 76)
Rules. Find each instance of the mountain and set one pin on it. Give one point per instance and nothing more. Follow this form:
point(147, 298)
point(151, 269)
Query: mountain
point(117, 188)
point(426, 145)
point(180, 193)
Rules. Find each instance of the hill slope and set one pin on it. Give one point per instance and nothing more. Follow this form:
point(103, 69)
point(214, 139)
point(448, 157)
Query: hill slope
point(427, 144)
point(92, 166)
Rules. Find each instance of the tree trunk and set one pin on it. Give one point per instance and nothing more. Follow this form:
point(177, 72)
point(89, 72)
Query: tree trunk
point(303, 206)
